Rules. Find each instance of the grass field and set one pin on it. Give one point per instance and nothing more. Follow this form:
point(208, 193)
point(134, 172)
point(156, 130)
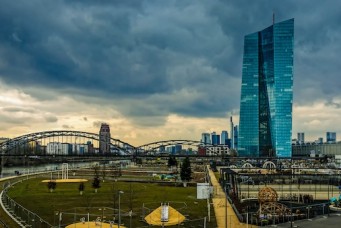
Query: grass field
point(35, 196)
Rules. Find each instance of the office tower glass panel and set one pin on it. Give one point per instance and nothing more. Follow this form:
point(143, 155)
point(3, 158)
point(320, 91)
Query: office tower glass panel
point(266, 94)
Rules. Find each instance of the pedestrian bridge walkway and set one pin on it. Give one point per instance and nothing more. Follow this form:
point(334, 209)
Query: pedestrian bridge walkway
point(224, 213)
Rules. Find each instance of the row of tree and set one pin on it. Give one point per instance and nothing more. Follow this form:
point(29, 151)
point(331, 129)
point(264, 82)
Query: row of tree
point(186, 170)
point(185, 174)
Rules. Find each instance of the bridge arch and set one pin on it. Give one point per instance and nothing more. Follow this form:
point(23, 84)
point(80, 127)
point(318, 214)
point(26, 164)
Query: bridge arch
point(247, 165)
point(6, 148)
point(154, 146)
point(269, 165)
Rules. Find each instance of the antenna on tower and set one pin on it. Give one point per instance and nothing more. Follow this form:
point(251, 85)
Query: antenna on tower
point(273, 17)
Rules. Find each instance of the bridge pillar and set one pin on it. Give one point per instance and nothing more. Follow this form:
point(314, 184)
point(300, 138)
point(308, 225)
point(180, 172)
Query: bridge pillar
point(2, 163)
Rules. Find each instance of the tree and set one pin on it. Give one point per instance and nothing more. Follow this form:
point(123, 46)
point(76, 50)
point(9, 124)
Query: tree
point(96, 183)
point(81, 188)
point(138, 161)
point(116, 171)
point(233, 153)
point(172, 162)
point(186, 171)
point(51, 185)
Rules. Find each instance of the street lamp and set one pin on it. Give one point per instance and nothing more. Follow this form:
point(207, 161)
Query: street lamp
point(119, 208)
point(102, 209)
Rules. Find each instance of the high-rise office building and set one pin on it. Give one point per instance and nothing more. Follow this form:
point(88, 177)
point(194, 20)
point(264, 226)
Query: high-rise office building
point(231, 133)
point(265, 126)
point(215, 138)
point(300, 137)
point(331, 137)
point(319, 140)
point(235, 137)
point(206, 138)
point(104, 139)
point(224, 138)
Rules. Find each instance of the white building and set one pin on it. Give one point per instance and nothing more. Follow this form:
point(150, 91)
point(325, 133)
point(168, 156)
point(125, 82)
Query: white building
point(217, 150)
point(58, 148)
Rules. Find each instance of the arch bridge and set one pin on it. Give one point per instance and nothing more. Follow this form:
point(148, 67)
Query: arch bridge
point(160, 146)
point(36, 143)
point(40, 143)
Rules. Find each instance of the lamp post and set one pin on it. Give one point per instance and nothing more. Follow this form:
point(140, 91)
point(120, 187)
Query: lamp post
point(119, 208)
point(225, 207)
point(102, 220)
point(291, 200)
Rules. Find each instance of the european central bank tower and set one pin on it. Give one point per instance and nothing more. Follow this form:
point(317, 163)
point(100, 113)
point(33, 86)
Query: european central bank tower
point(266, 94)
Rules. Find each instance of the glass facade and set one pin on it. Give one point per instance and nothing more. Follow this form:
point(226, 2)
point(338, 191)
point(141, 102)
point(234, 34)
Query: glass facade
point(331, 137)
point(224, 138)
point(266, 94)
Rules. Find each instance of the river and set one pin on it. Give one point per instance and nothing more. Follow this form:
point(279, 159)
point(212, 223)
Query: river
point(11, 171)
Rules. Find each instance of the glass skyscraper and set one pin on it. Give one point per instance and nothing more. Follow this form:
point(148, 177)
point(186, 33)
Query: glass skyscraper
point(265, 125)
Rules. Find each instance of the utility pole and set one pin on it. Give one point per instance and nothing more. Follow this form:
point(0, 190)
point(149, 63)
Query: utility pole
point(225, 207)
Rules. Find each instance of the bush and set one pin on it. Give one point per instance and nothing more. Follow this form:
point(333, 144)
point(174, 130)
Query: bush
point(51, 185)
point(96, 183)
point(81, 187)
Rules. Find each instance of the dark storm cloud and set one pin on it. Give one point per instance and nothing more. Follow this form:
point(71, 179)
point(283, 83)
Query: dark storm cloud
point(152, 58)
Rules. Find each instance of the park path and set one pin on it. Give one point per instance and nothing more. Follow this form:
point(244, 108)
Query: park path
point(219, 204)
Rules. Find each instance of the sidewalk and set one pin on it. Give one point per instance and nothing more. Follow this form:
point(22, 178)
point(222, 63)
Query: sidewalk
point(225, 218)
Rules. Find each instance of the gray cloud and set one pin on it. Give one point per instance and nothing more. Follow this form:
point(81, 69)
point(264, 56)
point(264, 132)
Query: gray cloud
point(97, 124)
point(51, 119)
point(18, 109)
point(149, 59)
point(334, 104)
point(8, 120)
point(65, 126)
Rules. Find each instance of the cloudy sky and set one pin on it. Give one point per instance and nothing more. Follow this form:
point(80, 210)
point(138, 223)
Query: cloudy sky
point(156, 69)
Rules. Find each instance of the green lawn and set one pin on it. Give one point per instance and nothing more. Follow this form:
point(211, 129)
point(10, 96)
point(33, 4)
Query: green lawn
point(35, 196)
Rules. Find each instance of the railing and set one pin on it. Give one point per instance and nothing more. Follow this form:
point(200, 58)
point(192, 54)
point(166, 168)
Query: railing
point(309, 212)
point(21, 215)
point(3, 224)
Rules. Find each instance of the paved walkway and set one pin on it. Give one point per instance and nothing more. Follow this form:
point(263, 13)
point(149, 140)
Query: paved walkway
point(225, 216)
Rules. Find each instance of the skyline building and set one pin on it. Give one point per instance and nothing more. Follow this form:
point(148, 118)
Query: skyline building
point(300, 137)
point(224, 138)
point(206, 138)
point(235, 136)
point(265, 125)
point(331, 137)
point(319, 140)
point(231, 133)
point(215, 138)
point(104, 139)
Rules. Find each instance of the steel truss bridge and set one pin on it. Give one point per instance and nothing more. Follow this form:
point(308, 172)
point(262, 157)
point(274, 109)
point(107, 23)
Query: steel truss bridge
point(36, 143)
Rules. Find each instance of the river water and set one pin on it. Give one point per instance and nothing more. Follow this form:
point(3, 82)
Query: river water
point(11, 171)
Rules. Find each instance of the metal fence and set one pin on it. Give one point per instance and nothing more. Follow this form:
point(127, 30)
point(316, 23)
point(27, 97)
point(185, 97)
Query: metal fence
point(3, 224)
point(182, 208)
point(298, 213)
point(193, 223)
point(23, 216)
